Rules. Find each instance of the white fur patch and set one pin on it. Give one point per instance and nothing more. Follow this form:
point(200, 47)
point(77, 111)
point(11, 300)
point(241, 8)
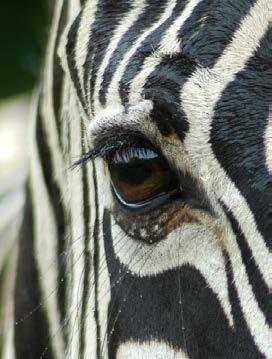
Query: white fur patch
point(149, 350)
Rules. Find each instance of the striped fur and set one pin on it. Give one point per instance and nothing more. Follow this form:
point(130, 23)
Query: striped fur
point(194, 77)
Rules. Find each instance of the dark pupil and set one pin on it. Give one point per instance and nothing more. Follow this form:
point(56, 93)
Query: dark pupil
point(135, 173)
point(139, 174)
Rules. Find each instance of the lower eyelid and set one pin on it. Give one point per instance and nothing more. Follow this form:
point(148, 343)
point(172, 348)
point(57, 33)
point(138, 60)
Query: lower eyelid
point(145, 207)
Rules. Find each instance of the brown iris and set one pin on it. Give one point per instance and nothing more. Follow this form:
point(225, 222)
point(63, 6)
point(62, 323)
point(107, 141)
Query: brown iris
point(139, 174)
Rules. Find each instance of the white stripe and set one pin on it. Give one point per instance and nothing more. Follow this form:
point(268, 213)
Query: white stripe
point(170, 44)
point(73, 8)
point(77, 234)
point(268, 141)
point(149, 350)
point(130, 18)
point(199, 97)
point(103, 280)
point(90, 322)
point(112, 94)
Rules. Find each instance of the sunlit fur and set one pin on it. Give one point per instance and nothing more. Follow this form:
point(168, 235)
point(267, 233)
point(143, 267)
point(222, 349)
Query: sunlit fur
point(194, 78)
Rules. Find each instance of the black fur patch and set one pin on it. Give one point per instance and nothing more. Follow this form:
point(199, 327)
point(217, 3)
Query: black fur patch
point(163, 87)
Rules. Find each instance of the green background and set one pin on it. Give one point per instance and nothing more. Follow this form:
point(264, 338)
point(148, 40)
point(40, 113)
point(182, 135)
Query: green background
point(23, 34)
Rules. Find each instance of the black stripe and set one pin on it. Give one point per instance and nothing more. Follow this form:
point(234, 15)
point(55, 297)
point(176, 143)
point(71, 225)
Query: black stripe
point(259, 287)
point(96, 265)
point(147, 48)
point(108, 15)
point(58, 73)
point(87, 258)
point(59, 215)
point(163, 87)
point(211, 27)
point(32, 335)
point(71, 58)
point(144, 22)
point(238, 132)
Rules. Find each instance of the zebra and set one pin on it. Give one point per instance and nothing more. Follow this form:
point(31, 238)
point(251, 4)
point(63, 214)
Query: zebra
point(148, 214)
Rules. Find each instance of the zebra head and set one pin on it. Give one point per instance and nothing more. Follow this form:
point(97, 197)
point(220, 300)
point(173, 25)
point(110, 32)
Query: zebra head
point(167, 218)
point(176, 97)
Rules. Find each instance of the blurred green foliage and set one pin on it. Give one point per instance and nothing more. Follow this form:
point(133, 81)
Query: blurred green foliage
point(23, 34)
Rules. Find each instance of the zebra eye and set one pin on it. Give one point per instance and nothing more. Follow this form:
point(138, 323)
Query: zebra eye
point(139, 175)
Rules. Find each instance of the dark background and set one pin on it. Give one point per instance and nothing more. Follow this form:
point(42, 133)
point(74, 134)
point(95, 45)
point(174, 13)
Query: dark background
point(23, 35)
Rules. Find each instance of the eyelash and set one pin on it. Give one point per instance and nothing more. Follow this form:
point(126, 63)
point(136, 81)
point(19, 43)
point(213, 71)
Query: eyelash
point(110, 146)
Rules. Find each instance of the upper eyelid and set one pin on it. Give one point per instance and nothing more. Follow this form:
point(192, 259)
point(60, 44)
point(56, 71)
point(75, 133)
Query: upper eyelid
point(136, 121)
point(133, 119)
point(104, 130)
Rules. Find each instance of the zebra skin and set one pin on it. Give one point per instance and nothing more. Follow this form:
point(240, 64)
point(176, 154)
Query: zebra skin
point(147, 229)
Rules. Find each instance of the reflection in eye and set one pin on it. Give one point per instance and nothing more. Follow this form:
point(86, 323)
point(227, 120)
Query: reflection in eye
point(139, 174)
